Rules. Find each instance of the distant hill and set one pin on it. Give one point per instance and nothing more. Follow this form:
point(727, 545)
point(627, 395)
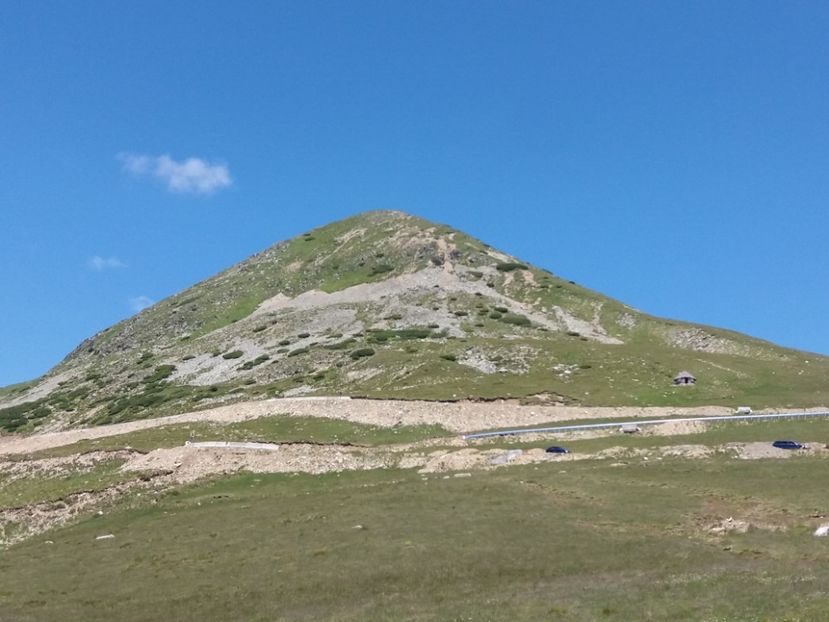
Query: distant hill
point(385, 304)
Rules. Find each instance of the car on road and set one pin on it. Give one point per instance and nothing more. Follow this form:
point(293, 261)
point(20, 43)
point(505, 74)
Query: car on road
point(555, 449)
point(788, 445)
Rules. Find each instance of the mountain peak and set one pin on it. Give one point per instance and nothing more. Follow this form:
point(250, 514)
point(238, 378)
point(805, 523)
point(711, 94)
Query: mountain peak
point(387, 304)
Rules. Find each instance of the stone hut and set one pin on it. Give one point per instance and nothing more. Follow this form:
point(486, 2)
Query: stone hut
point(684, 378)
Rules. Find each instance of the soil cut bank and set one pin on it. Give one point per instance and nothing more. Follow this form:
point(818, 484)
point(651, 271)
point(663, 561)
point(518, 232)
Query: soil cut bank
point(460, 417)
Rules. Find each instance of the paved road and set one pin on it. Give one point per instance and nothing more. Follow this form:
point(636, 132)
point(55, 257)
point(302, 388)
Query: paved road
point(640, 422)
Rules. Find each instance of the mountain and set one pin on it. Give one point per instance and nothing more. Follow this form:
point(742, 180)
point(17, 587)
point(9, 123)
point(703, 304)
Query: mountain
point(385, 304)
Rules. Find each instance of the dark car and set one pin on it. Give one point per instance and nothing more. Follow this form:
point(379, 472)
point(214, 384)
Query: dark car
point(787, 445)
point(555, 449)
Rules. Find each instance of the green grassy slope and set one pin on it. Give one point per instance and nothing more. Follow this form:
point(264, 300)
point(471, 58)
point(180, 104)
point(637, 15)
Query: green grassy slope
point(589, 541)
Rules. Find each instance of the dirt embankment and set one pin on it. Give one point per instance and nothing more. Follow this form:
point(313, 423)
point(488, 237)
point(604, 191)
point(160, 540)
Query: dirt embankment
point(20, 523)
point(458, 417)
point(187, 464)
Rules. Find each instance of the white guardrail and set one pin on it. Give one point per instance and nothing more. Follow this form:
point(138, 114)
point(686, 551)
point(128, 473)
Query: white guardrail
point(232, 445)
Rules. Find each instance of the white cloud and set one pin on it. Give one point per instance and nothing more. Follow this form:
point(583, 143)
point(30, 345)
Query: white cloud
point(139, 303)
point(98, 263)
point(193, 175)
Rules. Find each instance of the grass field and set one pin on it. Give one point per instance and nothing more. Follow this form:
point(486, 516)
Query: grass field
point(275, 429)
point(575, 541)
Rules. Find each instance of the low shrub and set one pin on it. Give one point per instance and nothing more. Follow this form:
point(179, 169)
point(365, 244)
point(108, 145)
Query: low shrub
point(509, 266)
point(233, 355)
point(14, 417)
point(161, 372)
point(257, 361)
point(361, 353)
point(153, 395)
point(380, 269)
point(403, 333)
point(449, 357)
point(341, 345)
point(516, 319)
point(42, 411)
point(298, 351)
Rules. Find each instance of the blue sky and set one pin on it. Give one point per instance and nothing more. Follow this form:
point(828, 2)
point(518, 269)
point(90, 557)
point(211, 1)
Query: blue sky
point(674, 155)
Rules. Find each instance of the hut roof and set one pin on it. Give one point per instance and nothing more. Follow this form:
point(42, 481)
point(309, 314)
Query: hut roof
point(684, 374)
